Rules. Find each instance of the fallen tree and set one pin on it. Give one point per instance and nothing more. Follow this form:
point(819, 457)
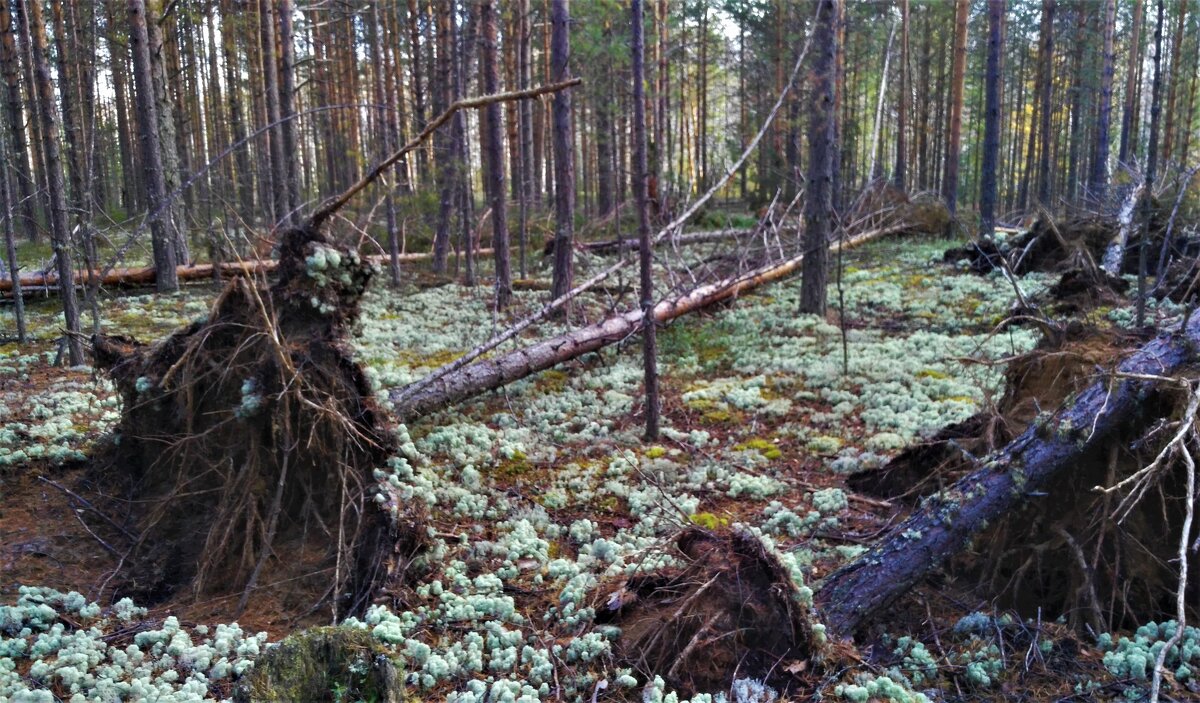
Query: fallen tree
point(612, 246)
point(422, 397)
point(254, 433)
point(145, 275)
point(1117, 407)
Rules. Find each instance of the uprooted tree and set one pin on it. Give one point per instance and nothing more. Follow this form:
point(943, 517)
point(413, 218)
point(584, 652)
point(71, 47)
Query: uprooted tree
point(253, 433)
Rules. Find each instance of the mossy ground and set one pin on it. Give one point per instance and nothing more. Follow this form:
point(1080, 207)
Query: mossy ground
point(547, 486)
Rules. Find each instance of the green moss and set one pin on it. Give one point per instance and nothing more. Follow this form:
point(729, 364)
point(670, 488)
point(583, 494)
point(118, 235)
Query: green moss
point(708, 521)
point(324, 664)
point(655, 452)
point(765, 447)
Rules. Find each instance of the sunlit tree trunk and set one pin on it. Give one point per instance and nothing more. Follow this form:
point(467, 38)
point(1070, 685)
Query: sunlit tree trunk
point(954, 126)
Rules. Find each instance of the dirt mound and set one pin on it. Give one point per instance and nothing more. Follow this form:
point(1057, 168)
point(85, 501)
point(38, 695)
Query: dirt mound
point(247, 444)
point(1079, 291)
point(730, 611)
point(1064, 552)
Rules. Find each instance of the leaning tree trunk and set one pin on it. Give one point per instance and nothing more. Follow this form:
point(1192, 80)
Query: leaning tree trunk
point(1021, 470)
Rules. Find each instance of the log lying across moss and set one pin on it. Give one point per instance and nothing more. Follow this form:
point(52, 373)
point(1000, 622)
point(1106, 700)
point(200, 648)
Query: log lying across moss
point(410, 403)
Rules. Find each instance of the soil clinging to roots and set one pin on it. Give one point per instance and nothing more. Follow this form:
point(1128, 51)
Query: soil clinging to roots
point(248, 440)
point(729, 611)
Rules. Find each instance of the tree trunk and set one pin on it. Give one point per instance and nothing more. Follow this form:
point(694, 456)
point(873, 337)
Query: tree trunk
point(173, 212)
point(822, 141)
point(946, 523)
point(564, 155)
point(603, 95)
point(1047, 61)
point(954, 126)
point(1151, 166)
point(641, 198)
point(495, 151)
point(60, 237)
point(900, 175)
point(524, 129)
point(1129, 114)
point(162, 239)
point(991, 130)
point(18, 156)
point(274, 135)
point(1098, 178)
point(1175, 77)
point(287, 107)
point(10, 250)
point(244, 175)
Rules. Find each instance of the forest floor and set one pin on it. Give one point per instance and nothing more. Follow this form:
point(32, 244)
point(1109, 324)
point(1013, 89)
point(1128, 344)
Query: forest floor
point(544, 496)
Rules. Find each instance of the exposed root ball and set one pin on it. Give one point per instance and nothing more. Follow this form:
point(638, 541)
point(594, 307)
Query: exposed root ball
point(248, 441)
point(731, 611)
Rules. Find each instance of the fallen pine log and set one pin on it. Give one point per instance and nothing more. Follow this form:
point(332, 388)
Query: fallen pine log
point(146, 276)
point(630, 243)
point(1020, 471)
point(410, 403)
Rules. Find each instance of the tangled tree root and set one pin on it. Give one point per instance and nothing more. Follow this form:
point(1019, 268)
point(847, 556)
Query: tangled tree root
point(730, 611)
point(1065, 552)
point(248, 441)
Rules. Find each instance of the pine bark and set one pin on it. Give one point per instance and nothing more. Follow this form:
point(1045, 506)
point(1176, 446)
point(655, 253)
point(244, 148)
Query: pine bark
point(1151, 165)
point(1098, 176)
point(287, 107)
point(161, 237)
point(641, 198)
point(495, 149)
point(900, 174)
point(18, 159)
point(174, 215)
point(59, 229)
point(991, 130)
point(564, 156)
point(954, 125)
point(818, 210)
point(1174, 81)
point(1047, 92)
point(1128, 143)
